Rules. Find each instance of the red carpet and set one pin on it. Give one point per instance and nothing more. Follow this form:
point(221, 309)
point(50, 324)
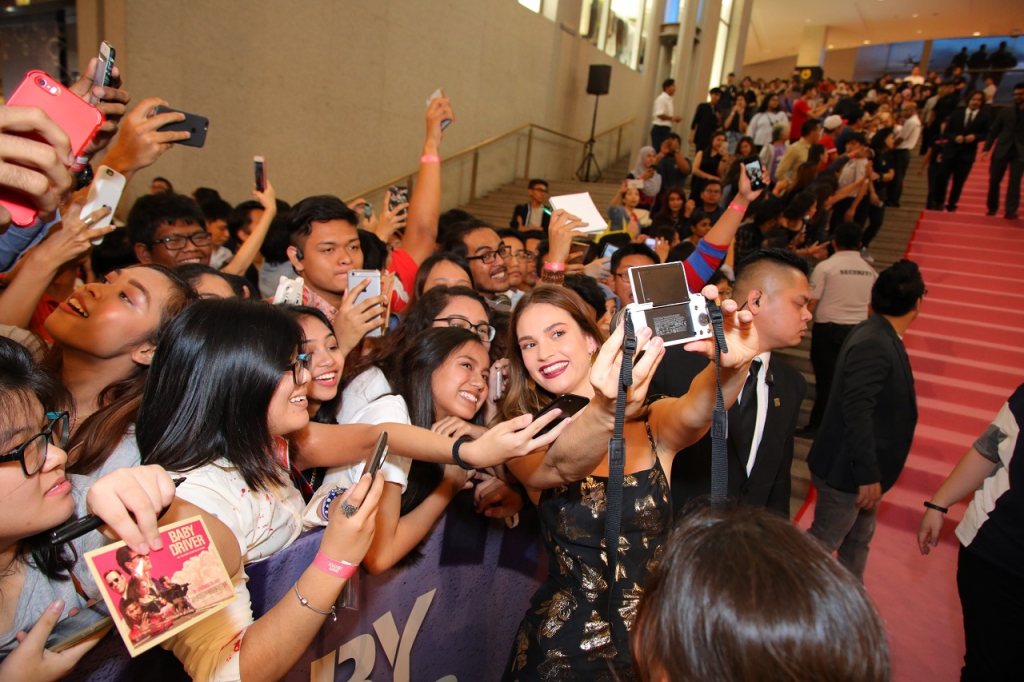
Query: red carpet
point(966, 350)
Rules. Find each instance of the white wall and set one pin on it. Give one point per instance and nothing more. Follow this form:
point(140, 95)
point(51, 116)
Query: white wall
point(333, 93)
point(839, 64)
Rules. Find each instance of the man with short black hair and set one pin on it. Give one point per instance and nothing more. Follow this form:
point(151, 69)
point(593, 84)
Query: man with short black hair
point(169, 229)
point(705, 121)
point(869, 423)
point(711, 200)
point(664, 113)
point(840, 296)
point(803, 110)
point(673, 166)
point(533, 214)
point(772, 285)
point(324, 248)
point(629, 256)
point(487, 256)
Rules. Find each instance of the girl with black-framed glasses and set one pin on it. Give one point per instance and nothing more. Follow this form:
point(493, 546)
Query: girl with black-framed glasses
point(36, 496)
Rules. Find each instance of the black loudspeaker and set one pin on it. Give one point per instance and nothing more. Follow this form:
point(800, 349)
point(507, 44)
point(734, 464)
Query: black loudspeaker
point(600, 78)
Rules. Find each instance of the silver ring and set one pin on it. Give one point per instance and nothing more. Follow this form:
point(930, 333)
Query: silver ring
point(89, 222)
point(348, 509)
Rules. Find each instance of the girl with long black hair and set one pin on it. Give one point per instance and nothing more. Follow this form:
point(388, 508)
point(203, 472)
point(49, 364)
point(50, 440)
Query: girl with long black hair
point(228, 383)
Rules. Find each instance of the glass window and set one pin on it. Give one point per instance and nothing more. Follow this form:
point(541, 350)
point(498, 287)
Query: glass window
point(531, 4)
point(617, 28)
point(590, 20)
point(673, 10)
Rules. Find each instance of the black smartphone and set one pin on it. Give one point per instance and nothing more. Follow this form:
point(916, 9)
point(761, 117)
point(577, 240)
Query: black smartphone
point(568, 403)
point(380, 453)
point(752, 165)
point(79, 627)
point(399, 195)
point(194, 123)
point(260, 167)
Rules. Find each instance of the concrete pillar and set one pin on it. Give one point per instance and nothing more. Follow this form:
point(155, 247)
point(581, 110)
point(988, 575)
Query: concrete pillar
point(739, 29)
point(100, 20)
point(652, 84)
point(812, 46)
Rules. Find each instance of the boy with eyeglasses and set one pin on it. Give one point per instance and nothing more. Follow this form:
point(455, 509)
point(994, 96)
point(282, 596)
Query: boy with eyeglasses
point(488, 259)
point(170, 230)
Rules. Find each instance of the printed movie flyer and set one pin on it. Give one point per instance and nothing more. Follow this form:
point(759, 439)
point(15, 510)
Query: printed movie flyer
point(152, 597)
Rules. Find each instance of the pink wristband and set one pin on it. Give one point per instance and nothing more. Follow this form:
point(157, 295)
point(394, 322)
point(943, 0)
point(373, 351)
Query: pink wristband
point(430, 158)
point(339, 569)
point(737, 207)
point(554, 267)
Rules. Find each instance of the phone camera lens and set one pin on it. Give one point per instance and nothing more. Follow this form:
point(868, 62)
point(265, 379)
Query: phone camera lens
point(41, 81)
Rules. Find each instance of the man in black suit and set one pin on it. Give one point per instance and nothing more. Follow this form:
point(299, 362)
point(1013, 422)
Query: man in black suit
point(1007, 135)
point(772, 285)
point(533, 215)
point(965, 128)
point(705, 121)
point(869, 423)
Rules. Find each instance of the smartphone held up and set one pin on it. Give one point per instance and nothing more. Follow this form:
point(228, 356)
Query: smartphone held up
point(260, 168)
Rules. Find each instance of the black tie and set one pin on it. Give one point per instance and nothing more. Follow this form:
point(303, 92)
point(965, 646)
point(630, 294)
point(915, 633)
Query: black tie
point(747, 422)
point(970, 117)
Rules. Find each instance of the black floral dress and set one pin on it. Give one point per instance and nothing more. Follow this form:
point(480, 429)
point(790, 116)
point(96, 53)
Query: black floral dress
point(565, 634)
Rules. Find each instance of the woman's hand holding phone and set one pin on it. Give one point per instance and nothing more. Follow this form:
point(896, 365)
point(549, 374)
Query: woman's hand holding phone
point(141, 141)
point(73, 238)
point(348, 538)
point(392, 219)
point(438, 110)
point(267, 198)
point(38, 169)
point(31, 661)
point(113, 104)
point(513, 438)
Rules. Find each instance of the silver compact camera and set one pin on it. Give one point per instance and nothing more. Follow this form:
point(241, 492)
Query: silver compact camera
point(663, 302)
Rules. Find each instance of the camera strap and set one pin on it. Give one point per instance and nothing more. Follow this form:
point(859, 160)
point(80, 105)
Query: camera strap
point(617, 461)
point(720, 419)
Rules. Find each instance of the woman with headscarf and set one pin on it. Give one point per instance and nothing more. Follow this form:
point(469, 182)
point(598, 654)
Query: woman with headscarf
point(645, 170)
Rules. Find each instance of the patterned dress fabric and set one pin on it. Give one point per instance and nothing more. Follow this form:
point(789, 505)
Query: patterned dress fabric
point(565, 634)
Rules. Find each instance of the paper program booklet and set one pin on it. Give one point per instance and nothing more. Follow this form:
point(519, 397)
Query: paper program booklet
point(155, 596)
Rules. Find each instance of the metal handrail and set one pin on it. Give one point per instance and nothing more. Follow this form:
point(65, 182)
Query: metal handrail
point(407, 178)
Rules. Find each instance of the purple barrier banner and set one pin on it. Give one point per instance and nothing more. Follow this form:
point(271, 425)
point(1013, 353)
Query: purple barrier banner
point(451, 615)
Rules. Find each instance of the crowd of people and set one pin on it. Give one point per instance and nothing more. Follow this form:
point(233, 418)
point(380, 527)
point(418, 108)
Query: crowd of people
point(233, 347)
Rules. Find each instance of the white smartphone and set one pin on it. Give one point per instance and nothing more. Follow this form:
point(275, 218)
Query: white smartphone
point(355, 277)
point(634, 184)
point(103, 70)
point(105, 190)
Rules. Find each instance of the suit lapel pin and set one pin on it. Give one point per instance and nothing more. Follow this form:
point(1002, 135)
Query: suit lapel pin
point(777, 403)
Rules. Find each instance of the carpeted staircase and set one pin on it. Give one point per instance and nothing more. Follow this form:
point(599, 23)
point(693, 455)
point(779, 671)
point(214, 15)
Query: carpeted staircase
point(966, 350)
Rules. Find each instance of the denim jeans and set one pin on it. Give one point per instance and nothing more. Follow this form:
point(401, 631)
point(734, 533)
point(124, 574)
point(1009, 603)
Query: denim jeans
point(840, 525)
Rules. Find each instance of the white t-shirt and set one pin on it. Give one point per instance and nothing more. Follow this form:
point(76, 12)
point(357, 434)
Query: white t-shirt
point(909, 134)
point(385, 409)
point(852, 172)
point(842, 284)
point(263, 523)
point(663, 106)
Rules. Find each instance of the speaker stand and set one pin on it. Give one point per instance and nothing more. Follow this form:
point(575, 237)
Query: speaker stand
point(583, 172)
